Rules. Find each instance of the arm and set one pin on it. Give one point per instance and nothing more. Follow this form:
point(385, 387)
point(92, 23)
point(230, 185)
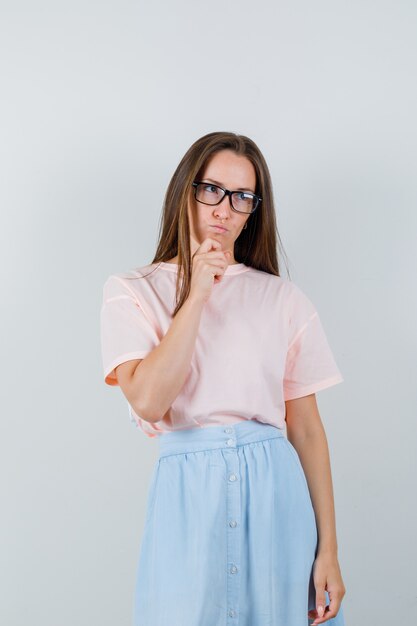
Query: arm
point(152, 384)
point(306, 433)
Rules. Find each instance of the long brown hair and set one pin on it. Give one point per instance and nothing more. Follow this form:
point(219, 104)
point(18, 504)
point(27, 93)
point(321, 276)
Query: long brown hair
point(256, 245)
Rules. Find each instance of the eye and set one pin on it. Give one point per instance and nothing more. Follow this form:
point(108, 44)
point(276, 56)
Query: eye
point(211, 188)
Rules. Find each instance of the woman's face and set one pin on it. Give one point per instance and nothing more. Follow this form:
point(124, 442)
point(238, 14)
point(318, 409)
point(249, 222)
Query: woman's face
point(230, 171)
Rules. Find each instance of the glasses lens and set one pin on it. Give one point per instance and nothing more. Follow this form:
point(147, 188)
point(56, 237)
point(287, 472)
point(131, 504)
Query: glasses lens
point(209, 194)
point(212, 194)
point(244, 202)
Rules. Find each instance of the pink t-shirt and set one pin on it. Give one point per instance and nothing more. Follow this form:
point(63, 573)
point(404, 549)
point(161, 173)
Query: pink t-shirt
point(260, 342)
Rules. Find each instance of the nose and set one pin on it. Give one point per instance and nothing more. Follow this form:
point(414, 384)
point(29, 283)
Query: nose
point(224, 207)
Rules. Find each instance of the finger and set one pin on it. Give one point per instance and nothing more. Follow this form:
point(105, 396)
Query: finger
point(208, 244)
point(217, 271)
point(320, 600)
point(216, 264)
point(334, 604)
point(218, 256)
point(318, 613)
point(313, 614)
point(330, 612)
point(326, 617)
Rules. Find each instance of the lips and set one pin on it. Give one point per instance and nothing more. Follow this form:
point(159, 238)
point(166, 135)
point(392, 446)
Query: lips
point(218, 228)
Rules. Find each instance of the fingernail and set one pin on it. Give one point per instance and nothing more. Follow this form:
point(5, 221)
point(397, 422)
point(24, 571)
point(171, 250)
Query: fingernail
point(320, 610)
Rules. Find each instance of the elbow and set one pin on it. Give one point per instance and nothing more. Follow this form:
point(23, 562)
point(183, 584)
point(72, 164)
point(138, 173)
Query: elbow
point(147, 411)
point(143, 400)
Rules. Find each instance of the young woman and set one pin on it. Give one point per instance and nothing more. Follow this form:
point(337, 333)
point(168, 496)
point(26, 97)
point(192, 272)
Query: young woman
point(217, 355)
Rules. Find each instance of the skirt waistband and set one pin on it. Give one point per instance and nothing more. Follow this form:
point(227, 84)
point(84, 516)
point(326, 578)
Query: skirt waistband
point(211, 437)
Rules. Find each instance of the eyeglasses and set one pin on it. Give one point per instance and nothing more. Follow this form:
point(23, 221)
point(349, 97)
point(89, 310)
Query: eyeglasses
point(241, 201)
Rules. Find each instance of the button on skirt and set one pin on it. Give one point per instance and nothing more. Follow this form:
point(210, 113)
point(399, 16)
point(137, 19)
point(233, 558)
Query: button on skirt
point(230, 534)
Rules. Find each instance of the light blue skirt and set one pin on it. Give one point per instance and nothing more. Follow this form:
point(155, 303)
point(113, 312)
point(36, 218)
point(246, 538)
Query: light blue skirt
point(230, 534)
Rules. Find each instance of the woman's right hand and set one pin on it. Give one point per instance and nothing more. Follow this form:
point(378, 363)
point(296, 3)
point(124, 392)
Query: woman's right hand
point(209, 262)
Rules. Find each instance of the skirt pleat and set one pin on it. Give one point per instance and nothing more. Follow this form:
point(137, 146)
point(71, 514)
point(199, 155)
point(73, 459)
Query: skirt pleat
point(230, 534)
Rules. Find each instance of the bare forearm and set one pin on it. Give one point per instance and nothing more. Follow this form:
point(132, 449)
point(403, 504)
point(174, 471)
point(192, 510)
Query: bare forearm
point(314, 456)
point(161, 375)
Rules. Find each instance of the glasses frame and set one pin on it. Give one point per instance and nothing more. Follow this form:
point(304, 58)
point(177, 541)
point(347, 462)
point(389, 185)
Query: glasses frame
point(226, 192)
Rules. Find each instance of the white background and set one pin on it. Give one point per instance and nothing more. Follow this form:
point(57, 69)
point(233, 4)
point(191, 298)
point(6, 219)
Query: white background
point(99, 102)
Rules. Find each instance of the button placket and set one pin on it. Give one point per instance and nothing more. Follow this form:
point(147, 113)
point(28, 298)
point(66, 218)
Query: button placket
point(233, 504)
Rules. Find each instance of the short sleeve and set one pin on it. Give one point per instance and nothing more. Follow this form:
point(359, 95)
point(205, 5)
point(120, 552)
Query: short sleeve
point(310, 365)
point(125, 330)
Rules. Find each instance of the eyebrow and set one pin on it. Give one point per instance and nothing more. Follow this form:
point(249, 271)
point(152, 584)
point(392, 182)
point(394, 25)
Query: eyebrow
point(221, 185)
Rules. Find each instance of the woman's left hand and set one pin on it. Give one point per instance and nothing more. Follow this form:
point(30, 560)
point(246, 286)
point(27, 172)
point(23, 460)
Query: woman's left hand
point(326, 576)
